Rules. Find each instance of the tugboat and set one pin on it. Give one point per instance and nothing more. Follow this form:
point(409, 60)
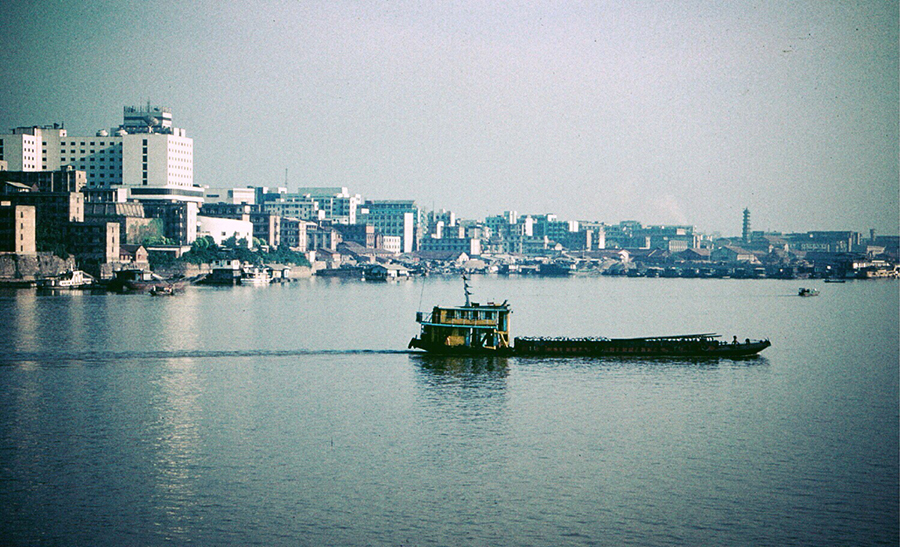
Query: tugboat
point(472, 328)
point(484, 329)
point(807, 292)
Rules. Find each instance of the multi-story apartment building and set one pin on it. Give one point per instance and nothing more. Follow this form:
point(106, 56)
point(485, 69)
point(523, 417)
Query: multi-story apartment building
point(299, 206)
point(52, 209)
point(179, 218)
point(556, 230)
point(598, 233)
point(338, 204)
point(134, 227)
point(94, 241)
point(830, 242)
point(293, 233)
point(326, 238)
point(362, 234)
point(315, 203)
point(672, 238)
point(439, 224)
point(502, 226)
point(632, 234)
point(393, 218)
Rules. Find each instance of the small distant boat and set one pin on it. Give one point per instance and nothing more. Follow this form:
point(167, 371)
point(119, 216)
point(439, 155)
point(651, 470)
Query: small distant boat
point(385, 272)
point(72, 279)
point(833, 280)
point(167, 290)
point(808, 292)
point(255, 276)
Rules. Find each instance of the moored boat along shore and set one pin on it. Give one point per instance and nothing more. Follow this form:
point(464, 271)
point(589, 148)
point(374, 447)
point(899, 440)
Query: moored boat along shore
point(48, 270)
point(373, 259)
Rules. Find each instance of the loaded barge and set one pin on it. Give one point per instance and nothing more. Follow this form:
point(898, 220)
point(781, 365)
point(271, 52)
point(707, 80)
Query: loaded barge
point(484, 329)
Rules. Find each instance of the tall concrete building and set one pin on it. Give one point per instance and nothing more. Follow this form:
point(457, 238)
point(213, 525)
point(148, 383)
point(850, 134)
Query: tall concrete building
point(146, 154)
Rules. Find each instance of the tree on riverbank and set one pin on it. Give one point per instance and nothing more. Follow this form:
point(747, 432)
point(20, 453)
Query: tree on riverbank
point(205, 251)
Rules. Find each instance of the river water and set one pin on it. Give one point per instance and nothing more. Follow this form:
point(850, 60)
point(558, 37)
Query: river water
point(293, 415)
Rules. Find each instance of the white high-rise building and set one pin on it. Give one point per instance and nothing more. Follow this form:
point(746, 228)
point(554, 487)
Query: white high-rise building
point(146, 154)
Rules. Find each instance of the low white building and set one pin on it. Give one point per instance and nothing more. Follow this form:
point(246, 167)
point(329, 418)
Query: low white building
point(220, 229)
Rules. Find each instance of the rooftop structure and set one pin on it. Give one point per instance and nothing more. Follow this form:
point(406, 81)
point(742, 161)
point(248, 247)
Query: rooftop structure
point(149, 119)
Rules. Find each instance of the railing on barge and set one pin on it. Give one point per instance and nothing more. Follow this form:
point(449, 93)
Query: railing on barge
point(706, 337)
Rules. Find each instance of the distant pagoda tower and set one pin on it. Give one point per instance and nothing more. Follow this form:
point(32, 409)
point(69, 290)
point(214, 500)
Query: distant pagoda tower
point(746, 232)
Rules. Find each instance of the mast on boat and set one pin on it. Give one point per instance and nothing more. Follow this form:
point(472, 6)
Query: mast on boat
point(466, 290)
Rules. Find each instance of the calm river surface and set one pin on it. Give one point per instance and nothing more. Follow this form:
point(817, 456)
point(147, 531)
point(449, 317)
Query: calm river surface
point(292, 415)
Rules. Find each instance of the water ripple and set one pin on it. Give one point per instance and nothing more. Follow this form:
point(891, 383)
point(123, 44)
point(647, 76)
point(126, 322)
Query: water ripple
point(60, 358)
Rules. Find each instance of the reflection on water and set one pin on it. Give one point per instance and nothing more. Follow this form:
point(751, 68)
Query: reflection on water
point(488, 366)
point(175, 438)
point(470, 384)
point(700, 363)
point(456, 365)
point(22, 323)
point(465, 393)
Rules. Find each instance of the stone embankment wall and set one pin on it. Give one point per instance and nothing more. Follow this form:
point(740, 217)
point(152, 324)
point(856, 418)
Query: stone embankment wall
point(15, 267)
point(181, 269)
point(173, 271)
point(300, 272)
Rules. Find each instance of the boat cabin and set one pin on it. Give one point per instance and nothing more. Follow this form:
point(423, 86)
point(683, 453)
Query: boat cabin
point(475, 326)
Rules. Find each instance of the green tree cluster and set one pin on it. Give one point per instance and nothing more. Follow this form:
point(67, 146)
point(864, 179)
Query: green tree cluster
point(204, 250)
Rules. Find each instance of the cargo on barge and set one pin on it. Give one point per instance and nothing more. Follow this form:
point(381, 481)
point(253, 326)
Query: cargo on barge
point(686, 345)
point(484, 329)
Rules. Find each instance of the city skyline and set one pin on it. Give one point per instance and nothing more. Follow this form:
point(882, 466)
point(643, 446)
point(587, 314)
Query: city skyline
point(589, 112)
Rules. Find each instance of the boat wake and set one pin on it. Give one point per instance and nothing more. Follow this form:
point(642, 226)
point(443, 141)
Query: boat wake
point(67, 358)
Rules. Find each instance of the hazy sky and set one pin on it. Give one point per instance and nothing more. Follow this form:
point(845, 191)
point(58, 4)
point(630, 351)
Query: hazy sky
point(663, 111)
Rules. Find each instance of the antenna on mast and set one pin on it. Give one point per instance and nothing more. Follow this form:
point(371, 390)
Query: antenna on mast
point(466, 289)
